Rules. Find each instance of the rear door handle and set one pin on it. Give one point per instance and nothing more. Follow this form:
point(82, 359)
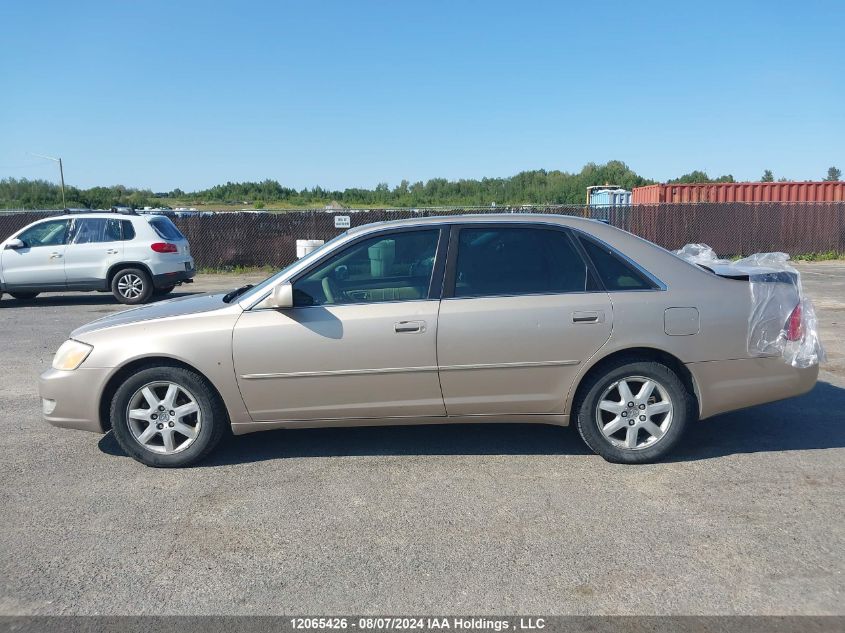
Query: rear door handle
point(111, 251)
point(55, 255)
point(588, 317)
point(408, 327)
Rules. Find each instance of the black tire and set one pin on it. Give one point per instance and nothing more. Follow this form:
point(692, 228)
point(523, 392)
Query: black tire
point(136, 278)
point(160, 292)
point(588, 415)
point(213, 417)
point(24, 296)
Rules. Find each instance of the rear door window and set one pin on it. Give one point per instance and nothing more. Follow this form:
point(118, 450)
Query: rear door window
point(94, 230)
point(165, 228)
point(495, 261)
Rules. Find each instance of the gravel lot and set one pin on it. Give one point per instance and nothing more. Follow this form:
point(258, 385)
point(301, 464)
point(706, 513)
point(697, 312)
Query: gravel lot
point(464, 519)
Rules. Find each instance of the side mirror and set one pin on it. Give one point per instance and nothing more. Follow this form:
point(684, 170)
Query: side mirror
point(15, 244)
point(282, 297)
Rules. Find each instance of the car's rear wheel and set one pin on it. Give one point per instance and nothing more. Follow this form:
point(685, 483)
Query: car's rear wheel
point(132, 286)
point(24, 296)
point(633, 412)
point(167, 417)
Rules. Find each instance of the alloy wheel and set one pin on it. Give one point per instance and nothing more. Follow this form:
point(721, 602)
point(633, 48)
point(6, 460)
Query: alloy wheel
point(130, 286)
point(634, 413)
point(164, 417)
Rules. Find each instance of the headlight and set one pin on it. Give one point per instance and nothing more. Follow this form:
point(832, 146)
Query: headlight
point(70, 355)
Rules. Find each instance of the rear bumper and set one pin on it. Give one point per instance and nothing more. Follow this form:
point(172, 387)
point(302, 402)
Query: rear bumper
point(70, 399)
point(167, 280)
point(728, 385)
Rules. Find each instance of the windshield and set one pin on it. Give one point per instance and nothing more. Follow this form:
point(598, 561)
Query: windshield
point(256, 291)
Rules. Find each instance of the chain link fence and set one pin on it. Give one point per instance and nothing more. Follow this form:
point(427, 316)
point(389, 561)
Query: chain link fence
point(231, 239)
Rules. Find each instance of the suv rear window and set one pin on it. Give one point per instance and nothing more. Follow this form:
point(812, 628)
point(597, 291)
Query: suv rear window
point(165, 228)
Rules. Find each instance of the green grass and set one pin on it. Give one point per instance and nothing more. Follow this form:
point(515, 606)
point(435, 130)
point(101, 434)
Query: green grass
point(825, 256)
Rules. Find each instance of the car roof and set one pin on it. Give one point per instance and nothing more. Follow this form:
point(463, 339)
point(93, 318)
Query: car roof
point(538, 218)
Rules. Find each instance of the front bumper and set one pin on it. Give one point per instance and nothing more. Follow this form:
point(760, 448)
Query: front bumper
point(71, 399)
point(727, 385)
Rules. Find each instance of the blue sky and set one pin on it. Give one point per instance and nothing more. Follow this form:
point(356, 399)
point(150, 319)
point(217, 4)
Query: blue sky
point(182, 94)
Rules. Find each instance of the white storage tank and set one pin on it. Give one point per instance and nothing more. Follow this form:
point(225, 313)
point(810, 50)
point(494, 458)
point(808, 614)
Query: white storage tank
point(303, 247)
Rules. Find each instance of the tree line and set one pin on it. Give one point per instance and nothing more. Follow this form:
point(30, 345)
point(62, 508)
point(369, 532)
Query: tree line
point(41, 194)
point(537, 187)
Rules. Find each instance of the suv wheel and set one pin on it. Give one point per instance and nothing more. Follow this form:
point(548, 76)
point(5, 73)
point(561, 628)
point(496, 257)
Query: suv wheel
point(167, 417)
point(24, 296)
point(634, 413)
point(132, 286)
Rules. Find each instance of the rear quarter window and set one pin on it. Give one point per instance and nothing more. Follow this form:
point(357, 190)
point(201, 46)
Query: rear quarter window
point(165, 228)
point(615, 273)
point(127, 230)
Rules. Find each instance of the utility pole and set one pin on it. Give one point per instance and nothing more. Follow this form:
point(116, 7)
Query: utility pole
point(61, 174)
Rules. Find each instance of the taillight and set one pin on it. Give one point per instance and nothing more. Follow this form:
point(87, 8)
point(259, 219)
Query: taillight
point(794, 327)
point(164, 247)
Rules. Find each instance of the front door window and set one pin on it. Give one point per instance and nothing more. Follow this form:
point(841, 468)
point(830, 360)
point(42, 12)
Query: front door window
point(392, 267)
point(52, 233)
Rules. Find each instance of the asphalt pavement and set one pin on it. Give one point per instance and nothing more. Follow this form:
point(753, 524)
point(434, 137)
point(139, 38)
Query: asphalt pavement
point(487, 519)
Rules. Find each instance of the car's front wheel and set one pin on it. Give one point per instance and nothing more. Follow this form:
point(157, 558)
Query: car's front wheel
point(132, 286)
point(167, 416)
point(633, 412)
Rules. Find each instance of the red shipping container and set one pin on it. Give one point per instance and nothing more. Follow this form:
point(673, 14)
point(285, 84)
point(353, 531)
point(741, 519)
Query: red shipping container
point(740, 192)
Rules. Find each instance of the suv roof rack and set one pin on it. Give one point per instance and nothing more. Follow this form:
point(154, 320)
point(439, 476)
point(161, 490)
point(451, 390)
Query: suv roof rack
point(124, 211)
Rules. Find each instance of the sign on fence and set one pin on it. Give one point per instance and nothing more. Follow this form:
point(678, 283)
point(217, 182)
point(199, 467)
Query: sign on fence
point(342, 222)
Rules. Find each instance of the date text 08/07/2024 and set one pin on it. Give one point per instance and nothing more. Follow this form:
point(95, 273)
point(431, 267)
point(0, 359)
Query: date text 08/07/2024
point(418, 623)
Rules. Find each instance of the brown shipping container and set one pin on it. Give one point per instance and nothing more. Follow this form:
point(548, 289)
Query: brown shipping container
point(741, 192)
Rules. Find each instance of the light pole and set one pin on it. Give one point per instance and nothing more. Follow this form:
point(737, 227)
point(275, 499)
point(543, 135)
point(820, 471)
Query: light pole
point(61, 175)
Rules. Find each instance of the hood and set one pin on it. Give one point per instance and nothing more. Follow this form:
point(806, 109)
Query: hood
point(180, 306)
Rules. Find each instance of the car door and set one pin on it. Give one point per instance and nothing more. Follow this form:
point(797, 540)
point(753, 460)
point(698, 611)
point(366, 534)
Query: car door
point(40, 263)
point(360, 342)
point(518, 318)
point(94, 245)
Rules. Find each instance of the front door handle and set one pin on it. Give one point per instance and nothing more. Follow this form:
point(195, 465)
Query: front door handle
point(111, 251)
point(55, 255)
point(588, 317)
point(408, 327)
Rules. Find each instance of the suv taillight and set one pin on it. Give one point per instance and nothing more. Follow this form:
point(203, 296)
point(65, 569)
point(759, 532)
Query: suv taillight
point(164, 247)
point(794, 327)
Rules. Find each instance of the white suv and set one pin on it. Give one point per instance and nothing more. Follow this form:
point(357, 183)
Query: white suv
point(135, 257)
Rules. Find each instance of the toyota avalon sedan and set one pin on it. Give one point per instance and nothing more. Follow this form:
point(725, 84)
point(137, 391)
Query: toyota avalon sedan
point(494, 318)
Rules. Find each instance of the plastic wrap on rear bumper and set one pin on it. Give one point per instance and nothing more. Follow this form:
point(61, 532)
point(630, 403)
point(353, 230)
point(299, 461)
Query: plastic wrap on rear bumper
point(727, 385)
point(71, 399)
